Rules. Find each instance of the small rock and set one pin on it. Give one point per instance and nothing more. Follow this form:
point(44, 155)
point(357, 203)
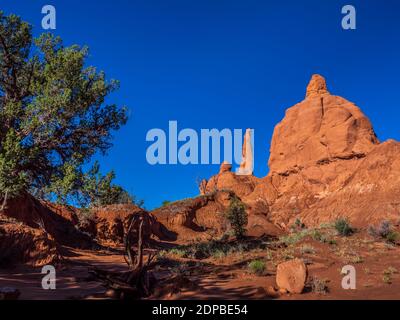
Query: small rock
point(283, 291)
point(112, 294)
point(291, 276)
point(272, 292)
point(225, 167)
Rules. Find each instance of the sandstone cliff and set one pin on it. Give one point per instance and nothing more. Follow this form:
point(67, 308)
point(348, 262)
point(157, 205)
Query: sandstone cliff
point(325, 162)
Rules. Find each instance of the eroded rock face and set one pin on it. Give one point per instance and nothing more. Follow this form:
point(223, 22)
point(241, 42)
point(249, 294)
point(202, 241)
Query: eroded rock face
point(291, 276)
point(22, 244)
point(326, 162)
point(192, 218)
point(225, 167)
point(204, 217)
point(241, 185)
point(112, 223)
point(319, 130)
point(246, 167)
point(59, 222)
point(317, 86)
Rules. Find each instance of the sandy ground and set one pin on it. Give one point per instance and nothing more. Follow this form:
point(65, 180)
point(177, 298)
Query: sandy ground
point(228, 277)
point(72, 275)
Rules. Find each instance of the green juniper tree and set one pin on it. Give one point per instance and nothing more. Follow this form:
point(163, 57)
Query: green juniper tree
point(237, 216)
point(99, 190)
point(53, 114)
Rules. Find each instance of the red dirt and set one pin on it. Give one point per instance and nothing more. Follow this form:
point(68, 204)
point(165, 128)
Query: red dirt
point(228, 277)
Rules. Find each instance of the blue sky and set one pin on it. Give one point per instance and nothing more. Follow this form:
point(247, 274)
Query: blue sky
point(225, 64)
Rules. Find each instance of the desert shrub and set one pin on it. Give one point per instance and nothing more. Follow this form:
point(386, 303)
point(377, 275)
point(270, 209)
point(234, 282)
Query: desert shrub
point(356, 259)
point(307, 249)
point(217, 248)
point(165, 203)
point(294, 237)
point(343, 227)
point(387, 278)
point(218, 254)
point(332, 242)
point(384, 231)
point(315, 234)
point(387, 274)
point(287, 254)
point(326, 225)
point(319, 234)
point(319, 286)
point(392, 237)
point(390, 270)
point(178, 252)
point(237, 216)
point(297, 226)
point(381, 231)
point(257, 267)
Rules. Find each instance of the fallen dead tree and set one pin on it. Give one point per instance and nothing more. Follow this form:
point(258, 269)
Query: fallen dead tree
point(138, 282)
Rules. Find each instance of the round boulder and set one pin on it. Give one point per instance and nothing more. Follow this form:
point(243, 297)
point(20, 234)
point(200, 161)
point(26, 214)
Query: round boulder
point(291, 276)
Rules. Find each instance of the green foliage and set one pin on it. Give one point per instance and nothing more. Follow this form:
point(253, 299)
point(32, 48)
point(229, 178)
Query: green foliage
point(237, 216)
point(90, 189)
point(257, 267)
point(343, 227)
point(53, 115)
point(11, 180)
point(99, 190)
point(217, 248)
point(177, 252)
point(165, 203)
point(385, 231)
point(297, 226)
point(319, 234)
point(392, 237)
point(293, 238)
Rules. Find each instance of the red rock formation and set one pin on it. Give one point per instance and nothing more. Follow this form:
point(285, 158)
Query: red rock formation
point(247, 165)
point(321, 129)
point(317, 86)
point(58, 222)
point(113, 221)
point(193, 218)
point(225, 167)
point(22, 244)
point(203, 217)
point(325, 162)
